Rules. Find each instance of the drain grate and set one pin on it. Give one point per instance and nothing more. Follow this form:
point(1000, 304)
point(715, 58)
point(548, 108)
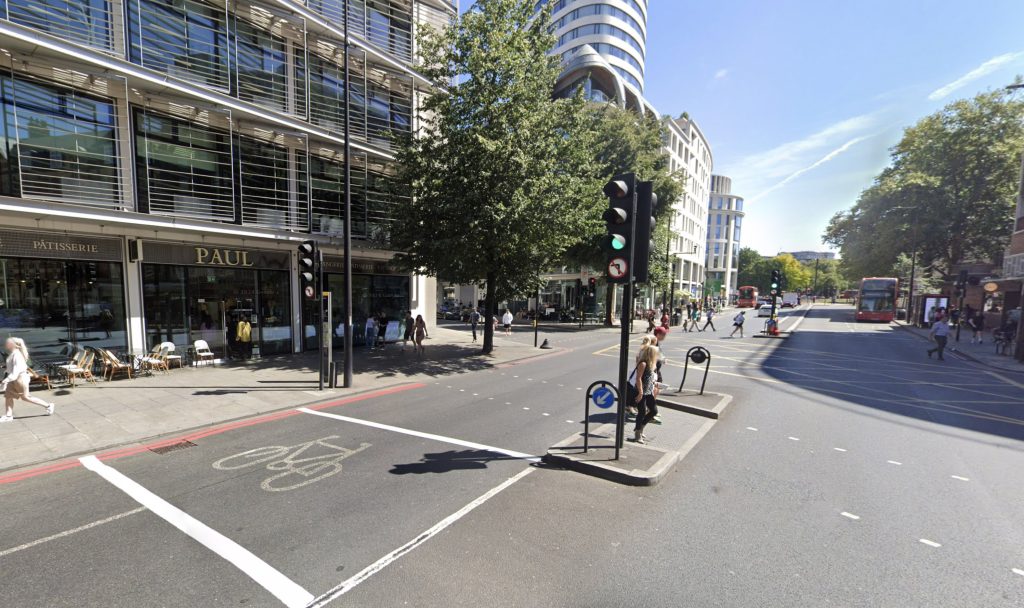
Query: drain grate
point(174, 447)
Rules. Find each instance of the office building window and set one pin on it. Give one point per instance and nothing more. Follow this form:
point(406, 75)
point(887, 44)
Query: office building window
point(57, 144)
point(269, 198)
point(86, 22)
point(182, 38)
point(183, 168)
point(262, 68)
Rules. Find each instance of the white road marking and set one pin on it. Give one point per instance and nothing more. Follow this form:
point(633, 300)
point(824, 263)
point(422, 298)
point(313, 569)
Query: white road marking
point(569, 421)
point(490, 398)
point(508, 403)
point(839, 449)
point(795, 438)
point(280, 586)
point(390, 558)
point(579, 388)
point(545, 414)
point(930, 543)
point(47, 539)
point(476, 394)
point(462, 390)
point(515, 376)
point(1018, 571)
point(441, 438)
point(526, 408)
point(750, 428)
point(894, 462)
point(960, 478)
point(850, 515)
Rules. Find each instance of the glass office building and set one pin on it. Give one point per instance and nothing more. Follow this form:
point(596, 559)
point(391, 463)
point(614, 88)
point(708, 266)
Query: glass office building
point(188, 147)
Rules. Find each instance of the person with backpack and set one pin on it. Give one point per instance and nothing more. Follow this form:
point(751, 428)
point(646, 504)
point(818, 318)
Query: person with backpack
point(737, 323)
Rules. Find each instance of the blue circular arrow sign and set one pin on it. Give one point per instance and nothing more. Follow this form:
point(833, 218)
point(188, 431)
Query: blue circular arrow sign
point(603, 397)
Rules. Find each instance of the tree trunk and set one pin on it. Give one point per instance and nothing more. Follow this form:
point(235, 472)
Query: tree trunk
point(490, 306)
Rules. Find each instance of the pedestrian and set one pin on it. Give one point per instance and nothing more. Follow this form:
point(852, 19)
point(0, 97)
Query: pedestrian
point(421, 334)
point(737, 323)
point(382, 329)
point(631, 383)
point(650, 321)
point(243, 337)
point(371, 331)
point(977, 326)
point(15, 383)
point(506, 321)
point(664, 318)
point(710, 317)
point(646, 400)
point(410, 328)
point(689, 315)
point(697, 311)
point(939, 334)
point(474, 321)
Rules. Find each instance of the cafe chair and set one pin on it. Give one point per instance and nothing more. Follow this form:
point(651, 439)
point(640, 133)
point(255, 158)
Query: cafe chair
point(203, 352)
point(83, 369)
point(112, 365)
point(169, 358)
point(156, 359)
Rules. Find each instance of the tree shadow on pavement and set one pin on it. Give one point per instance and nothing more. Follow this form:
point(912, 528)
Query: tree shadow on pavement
point(875, 368)
point(453, 460)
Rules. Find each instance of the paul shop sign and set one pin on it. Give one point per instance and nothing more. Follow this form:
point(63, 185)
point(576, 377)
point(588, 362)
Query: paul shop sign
point(211, 255)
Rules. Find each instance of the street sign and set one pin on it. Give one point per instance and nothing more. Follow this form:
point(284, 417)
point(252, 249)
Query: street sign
point(617, 268)
point(603, 398)
point(991, 287)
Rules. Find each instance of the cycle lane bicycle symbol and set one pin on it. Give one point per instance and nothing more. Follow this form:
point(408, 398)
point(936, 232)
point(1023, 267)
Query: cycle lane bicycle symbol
point(291, 466)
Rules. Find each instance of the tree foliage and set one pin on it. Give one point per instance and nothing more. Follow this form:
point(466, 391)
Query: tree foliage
point(949, 191)
point(498, 168)
point(756, 270)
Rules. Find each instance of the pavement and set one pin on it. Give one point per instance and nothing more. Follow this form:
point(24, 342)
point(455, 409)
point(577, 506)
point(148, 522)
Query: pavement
point(983, 352)
point(93, 417)
point(849, 470)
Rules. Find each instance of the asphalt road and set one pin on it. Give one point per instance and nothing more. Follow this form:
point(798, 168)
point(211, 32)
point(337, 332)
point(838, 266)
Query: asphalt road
point(850, 470)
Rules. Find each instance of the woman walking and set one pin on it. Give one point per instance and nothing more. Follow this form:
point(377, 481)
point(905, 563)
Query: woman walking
point(410, 328)
point(646, 405)
point(15, 383)
point(421, 333)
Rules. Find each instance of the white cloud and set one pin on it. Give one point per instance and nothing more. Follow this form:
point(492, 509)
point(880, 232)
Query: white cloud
point(821, 161)
point(979, 72)
point(785, 159)
point(721, 74)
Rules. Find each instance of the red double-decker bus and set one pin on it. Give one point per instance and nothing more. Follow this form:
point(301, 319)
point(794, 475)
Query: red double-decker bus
point(876, 299)
point(747, 297)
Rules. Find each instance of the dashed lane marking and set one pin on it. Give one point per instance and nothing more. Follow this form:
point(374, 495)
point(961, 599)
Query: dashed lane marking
point(750, 428)
point(850, 515)
point(1018, 571)
point(526, 408)
point(569, 421)
point(87, 526)
point(280, 586)
point(794, 439)
point(899, 464)
point(930, 543)
point(839, 449)
point(545, 414)
point(960, 478)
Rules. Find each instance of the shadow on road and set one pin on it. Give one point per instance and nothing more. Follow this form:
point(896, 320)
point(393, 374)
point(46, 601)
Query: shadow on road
point(880, 367)
point(453, 460)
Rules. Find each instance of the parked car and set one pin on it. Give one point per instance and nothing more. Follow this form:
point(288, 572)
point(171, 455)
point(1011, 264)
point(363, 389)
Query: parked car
point(765, 310)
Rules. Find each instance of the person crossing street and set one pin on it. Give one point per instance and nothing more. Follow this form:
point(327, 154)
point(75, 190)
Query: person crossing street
point(737, 323)
point(710, 316)
point(940, 335)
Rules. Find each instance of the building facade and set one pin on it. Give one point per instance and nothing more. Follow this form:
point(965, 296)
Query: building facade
point(160, 161)
point(810, 256)
point(724, 231)
point(690, 156)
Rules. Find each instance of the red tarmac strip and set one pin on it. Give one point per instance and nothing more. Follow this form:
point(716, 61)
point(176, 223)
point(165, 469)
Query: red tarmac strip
point(215, 430)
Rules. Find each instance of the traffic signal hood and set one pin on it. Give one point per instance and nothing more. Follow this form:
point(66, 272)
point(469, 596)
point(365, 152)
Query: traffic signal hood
point(646, 201)
point(619, 220)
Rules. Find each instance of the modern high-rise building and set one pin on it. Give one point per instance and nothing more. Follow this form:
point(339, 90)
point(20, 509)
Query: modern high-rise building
point(160, 161)
point(690, 156)
point(725, 224)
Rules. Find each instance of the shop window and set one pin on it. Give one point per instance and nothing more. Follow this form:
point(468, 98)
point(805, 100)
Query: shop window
point(87, 22)
point(182, 38)
point(50, 303)
point(58, 144)
point(183, 169)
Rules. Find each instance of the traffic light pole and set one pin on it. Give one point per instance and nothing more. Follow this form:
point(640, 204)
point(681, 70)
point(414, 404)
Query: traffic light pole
point(624, 335)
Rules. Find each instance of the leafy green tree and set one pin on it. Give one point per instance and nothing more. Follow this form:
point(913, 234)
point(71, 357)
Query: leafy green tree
point(830, 277)
point(624, 141)
point(751, 269)
point(498, 168)
point(949, 191)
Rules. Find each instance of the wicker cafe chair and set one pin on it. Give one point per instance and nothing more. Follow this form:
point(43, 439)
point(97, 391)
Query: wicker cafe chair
point(169, 358)
point(156, 359)
point(112, 365)
point(40, 376)
point(76, 356)
point(83, 369)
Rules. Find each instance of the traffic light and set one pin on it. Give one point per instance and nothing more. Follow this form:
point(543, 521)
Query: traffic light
point(619, 218)
point(592, 286)
point(307, 269)
point(646, 201)
point(776, 285)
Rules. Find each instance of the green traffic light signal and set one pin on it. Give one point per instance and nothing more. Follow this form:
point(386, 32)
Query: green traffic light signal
point(618, 242)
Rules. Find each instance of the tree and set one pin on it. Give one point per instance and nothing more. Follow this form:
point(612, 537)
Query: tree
point(830, 278)
point(750, 268)
point(498, 168)
point(948, 193)
point(624, 141)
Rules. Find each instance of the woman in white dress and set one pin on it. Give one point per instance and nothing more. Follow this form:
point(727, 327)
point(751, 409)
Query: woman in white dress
point(15, 383)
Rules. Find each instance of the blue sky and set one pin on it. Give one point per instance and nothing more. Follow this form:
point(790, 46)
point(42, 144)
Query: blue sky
point(801, 99)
